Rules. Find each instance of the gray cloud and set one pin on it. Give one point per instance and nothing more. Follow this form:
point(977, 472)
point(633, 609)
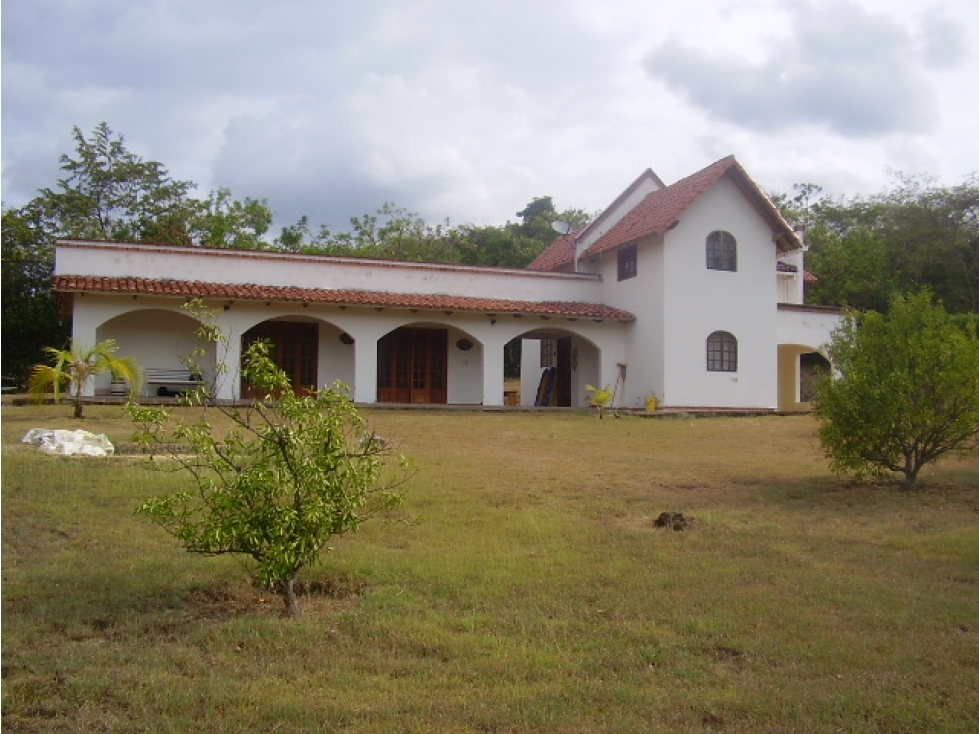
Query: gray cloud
point(466, 109)
point(842, 67)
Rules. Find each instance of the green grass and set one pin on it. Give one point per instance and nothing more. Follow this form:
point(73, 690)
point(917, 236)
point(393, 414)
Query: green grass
point(527, 591)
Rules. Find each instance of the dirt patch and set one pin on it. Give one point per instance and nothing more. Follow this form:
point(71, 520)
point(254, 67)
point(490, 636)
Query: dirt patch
point(674, 520)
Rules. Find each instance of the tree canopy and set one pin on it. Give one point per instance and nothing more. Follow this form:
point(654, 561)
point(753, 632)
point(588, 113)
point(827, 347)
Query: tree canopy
point(906, 392)
point(864, 251)
point(107, 192)
point(292, 473)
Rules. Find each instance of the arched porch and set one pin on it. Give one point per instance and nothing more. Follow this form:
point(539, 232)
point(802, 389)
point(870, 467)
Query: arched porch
point(797, 366)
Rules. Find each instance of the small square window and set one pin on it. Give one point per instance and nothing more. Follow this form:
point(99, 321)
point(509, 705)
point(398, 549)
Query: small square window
point(628, 262)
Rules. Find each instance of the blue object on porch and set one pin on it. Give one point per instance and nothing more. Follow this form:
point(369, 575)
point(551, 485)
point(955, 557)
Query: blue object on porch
point(546, 387)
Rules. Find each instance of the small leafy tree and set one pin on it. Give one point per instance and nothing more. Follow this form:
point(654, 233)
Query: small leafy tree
point(72, 368)
point(293, 472)
point(906, 393)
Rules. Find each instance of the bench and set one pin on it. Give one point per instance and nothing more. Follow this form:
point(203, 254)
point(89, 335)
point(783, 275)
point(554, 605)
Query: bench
point(165, 379)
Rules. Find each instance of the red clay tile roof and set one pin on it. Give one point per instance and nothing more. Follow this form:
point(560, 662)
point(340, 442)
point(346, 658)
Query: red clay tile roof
point(660, 209)
point(558, 254)
point(656, 213)
point(341, 297)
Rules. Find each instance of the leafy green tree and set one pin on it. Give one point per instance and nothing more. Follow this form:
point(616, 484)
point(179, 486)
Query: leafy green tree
point(907, 389)
point(107, 193)
point(223, 221)
point(863, 250)
point(74, 367)
point(293, 473)
point(110, 193)
point(30, 311)
point(396, 233)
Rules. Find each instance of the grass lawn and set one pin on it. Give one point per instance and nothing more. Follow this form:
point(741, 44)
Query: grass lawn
point(526, 591)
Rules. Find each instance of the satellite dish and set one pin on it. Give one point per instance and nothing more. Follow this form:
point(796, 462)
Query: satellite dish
point(560, 227)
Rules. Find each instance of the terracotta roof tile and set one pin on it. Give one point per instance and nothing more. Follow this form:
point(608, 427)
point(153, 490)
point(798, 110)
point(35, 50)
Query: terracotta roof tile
point(658, 211)
point(558, 254)
point(252, 292)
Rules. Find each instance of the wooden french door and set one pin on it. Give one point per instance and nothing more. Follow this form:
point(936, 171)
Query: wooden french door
point(411, 366)
point(562, 383)
point(295, 347)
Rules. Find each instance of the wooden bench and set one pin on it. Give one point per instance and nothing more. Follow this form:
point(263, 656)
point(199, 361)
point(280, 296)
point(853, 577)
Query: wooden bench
point(165, 379)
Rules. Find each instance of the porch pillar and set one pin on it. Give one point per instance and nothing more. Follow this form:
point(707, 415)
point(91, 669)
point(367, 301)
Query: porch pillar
point(365, 369)
point(493, 372)
point(84, 334)
point(614, 375)
point(227, 381)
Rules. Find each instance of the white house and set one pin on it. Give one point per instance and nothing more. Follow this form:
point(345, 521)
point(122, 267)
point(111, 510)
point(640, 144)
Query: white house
point(692, 292)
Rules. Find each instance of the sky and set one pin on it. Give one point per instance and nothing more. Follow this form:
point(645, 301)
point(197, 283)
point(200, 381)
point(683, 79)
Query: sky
point(467, 111)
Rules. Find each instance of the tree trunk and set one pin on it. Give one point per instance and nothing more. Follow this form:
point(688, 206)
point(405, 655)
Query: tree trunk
point(289, 596)
point(911, 478)
point(78, 407)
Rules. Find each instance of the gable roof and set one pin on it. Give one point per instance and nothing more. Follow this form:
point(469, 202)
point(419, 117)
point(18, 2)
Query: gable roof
point(561, 251)
point(558, 254)
point(334, 296)
point(661, 209)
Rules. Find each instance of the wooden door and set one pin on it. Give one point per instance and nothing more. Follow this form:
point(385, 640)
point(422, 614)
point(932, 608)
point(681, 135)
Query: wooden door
point(562, 384)
point(295, 348)
point(412, 366)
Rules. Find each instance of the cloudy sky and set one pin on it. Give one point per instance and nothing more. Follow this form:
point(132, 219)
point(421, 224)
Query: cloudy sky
point(468, 110)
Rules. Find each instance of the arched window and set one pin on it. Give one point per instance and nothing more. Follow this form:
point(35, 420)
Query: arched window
point(722, 251)
point(722, 352)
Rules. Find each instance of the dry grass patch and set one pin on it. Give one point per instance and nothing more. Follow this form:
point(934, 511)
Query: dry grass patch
point(529, 591)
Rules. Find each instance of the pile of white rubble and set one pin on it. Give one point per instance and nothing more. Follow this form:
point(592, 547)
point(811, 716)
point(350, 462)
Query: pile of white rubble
point(69, 443)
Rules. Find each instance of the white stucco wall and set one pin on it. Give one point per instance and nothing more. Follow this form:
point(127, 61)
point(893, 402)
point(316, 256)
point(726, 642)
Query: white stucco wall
point(643, 350)
point(791, 286)
point(285, 269)
point(699, 301)
point(806, 325)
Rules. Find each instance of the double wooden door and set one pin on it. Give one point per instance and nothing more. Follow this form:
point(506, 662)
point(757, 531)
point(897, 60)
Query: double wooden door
point(295, 347)
point(412, 366)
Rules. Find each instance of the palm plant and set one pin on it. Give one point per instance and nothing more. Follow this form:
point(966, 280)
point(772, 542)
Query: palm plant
point(600, 398)
point(73, 367)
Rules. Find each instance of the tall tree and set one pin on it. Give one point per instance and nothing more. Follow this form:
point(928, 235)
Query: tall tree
point(110, 193)
point(863, 250)
point(30, 311)
point(107, 193)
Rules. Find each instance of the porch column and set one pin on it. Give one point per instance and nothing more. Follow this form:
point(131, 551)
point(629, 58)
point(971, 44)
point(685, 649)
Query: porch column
point(493, 372)
point(228, 360)
point(84, 334)
point(365, 368)
point(612, 374)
